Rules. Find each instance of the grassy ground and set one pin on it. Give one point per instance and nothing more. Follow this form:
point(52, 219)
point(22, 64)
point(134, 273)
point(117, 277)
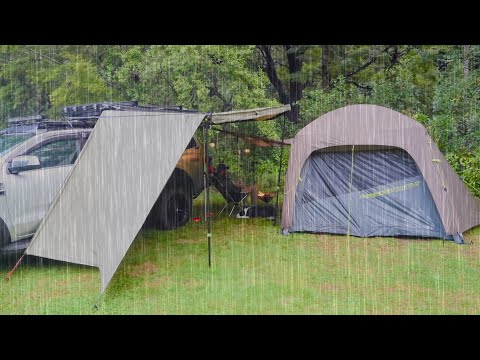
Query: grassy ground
point(256, 270)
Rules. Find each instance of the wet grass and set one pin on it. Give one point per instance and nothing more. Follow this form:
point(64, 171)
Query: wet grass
point(255, 270)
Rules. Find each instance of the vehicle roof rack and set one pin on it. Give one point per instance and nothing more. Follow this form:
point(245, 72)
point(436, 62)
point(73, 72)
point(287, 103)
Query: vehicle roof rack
point(26, 119)
point(26, 125)
point(58, 124)
point(91, 112)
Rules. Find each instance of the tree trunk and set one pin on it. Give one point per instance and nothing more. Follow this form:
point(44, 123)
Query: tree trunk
point(466, 59)
point(271, 72)
point(462, 127)
point(294, 92)
point(325, 67)
point(294, 68)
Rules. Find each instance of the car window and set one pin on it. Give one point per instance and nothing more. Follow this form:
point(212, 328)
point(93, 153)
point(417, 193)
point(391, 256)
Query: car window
point(9, 141)
point(192, 144)
point(56, 153)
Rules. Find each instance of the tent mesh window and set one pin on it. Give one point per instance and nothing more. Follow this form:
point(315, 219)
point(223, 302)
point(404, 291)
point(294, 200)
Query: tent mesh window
point(371, 168)
point(365, 191)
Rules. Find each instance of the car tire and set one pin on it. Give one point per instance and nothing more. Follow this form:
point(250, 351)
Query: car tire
point(173, 208)
point(5, 238)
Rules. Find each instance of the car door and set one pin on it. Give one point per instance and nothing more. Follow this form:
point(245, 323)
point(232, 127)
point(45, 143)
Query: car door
point(30, 193)
point(192, 162)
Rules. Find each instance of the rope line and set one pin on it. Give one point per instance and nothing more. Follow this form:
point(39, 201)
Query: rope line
point(350, 193)
point(14, 268)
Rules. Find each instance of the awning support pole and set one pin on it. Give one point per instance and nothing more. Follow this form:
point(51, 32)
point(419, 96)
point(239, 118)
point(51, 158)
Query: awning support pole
point(280, 170)
point(207, 191)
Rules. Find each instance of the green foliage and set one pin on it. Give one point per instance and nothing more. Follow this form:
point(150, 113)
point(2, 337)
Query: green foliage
point(78, 82)
point(437, 85)
point(208, 78)
point(467, 166)
point(407, 88)
point(18, 94)
point(457, 99)
point(317, 102)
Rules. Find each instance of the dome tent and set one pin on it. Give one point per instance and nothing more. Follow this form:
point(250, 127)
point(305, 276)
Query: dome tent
point(367, 170)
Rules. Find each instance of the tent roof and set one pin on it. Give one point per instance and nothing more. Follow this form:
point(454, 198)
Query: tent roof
point(376, 125)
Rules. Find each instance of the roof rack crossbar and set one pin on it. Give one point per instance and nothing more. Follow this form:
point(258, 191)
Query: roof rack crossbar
point(93, 111)
point(26, 119)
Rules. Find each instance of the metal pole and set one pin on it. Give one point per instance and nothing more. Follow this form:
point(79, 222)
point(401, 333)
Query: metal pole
point(207, 190)
point(280, 169)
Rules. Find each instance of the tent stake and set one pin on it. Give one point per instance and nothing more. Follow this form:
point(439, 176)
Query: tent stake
point(95, 306)
point(208, 212)
point(279, 170)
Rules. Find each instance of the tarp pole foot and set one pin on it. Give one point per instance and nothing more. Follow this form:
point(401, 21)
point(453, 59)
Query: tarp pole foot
point(95, 306)
point(209, 237)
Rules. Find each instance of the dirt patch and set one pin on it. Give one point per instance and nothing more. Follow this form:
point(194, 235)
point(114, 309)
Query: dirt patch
point(159, 282)
point(327, 244)
point(77, 278)
point(379, 245)
point(471, 251)
point(288, 300)
point(186, 241)
point(323, 242)
point(191, 283)
point(43, 294)
point(330, 287)
point(144, 269)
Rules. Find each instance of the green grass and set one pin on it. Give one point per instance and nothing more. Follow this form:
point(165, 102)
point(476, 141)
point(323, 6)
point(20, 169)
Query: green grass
point(256, 270)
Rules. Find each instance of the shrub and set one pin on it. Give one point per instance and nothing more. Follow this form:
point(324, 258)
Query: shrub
point(467, 166)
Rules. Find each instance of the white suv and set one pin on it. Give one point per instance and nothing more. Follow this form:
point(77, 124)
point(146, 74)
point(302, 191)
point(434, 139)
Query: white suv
point(35, 159)
point(36, 155)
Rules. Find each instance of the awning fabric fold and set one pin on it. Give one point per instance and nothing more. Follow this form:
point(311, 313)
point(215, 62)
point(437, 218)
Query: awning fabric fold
point(258, 114)
point(105, 200)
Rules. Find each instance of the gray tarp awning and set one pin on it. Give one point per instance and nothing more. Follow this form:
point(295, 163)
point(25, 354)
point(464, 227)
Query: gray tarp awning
point(119, 175)
point(117, 178)
point(261, 141)
point(258, 114)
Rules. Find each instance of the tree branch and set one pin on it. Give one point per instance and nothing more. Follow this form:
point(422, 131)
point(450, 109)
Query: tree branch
point(394, 59)
point(41, 55)
point(367, 88)
point(213, 91)
point(271, 72)
point(360, 68)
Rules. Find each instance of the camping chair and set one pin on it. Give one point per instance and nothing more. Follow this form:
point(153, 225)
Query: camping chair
point(240, 205)
point(266, 197)
point(230, 192)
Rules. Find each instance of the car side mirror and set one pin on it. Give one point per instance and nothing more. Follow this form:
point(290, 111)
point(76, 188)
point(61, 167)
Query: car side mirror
point(24, 163)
